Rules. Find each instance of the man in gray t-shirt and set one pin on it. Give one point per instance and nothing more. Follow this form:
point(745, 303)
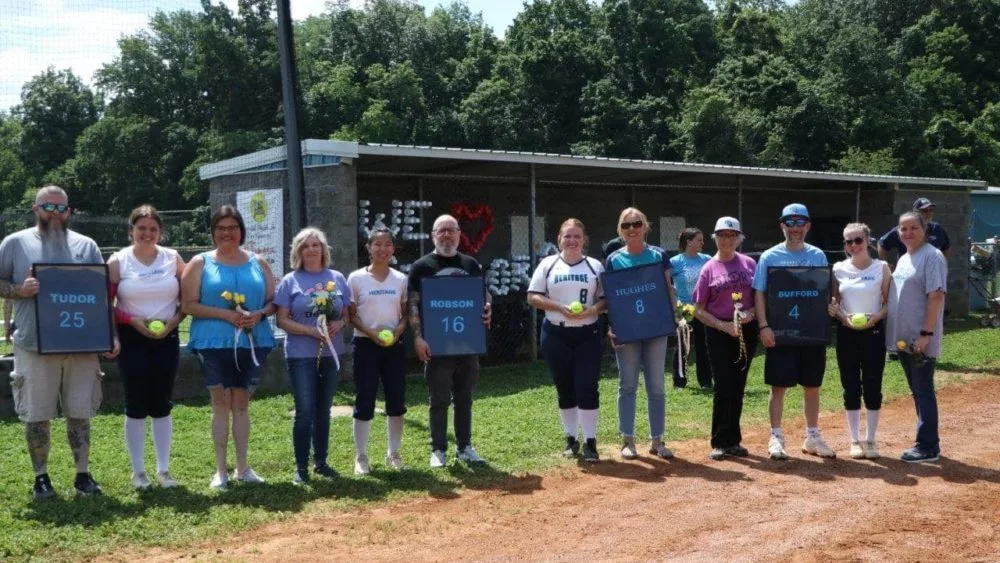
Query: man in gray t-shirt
point(42, 384)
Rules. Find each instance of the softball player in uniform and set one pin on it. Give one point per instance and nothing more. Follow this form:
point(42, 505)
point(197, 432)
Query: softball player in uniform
point(567, 287)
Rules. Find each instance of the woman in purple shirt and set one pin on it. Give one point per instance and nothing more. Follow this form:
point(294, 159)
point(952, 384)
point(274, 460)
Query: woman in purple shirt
point(725, 281)
point(312, 366)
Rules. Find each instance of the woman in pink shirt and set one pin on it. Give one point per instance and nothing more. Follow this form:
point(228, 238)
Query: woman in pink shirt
point(724, 282)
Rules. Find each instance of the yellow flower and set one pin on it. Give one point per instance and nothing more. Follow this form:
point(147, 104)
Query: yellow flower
point(737, 296)
point(330, 286)
point(901, 345)
point(227, 296)
point(321, 301)
point(241, 299)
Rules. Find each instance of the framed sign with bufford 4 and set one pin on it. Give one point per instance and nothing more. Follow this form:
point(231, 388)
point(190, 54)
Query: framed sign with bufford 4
point(797, 299)
point(73, 313)
point(451, 310)
point(639, 304)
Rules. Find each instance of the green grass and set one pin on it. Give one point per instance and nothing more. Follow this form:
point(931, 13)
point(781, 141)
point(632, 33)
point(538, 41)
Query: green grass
point(516, 428)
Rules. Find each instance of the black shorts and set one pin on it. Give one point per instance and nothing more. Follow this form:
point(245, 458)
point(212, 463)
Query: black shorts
point(788, 366)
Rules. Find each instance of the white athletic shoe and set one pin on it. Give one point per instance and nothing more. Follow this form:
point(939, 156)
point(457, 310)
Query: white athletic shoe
point(167, 480)
point(857, 451)
point(815, 445)
point(249, 477)
point(470, 455)
point(219, 482)
point(776, 447)
point(871, 450)
point(438, 459)
point(394, 461)
point(361, 466)
point(140, 481)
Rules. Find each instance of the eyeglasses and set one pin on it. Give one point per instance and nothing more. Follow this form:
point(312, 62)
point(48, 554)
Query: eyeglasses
point(854, 241)
point(800, 222)
point(227, 228)
point(50, 207)
point(446, 230)
point(633, 225)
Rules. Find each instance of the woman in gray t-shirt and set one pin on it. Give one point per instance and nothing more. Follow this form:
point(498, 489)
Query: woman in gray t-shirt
point(915, 326)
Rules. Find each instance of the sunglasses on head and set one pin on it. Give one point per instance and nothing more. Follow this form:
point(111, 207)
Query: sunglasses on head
point(50, 207)
point(854, 241)
point(633, 225)
point(800, 222)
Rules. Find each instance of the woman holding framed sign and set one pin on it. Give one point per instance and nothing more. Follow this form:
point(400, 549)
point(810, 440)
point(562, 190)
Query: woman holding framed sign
point(567, 288)
point(860, 303)
point(723, 301)
point(649, 355)
point(146, 280)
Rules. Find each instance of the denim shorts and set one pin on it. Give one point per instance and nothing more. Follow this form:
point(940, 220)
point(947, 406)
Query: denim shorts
point(219, 367)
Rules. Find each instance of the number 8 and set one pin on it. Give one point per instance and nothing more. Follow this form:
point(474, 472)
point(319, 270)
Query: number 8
point(640, 308)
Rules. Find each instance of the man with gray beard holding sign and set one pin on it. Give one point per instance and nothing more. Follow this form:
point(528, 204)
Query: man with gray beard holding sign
point(451, 378)
point(42, 383)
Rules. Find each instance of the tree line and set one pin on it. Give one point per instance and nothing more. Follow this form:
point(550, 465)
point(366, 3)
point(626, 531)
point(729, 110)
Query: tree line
point(872, 86)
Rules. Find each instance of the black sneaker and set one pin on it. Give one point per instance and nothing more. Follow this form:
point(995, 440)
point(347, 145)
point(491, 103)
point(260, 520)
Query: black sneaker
point(680, 382)
point(590, 454)
point(43, 488)
point(85, 485)
point(572, 447)
point(326, 471)
point(738, 451)
point(916, 455)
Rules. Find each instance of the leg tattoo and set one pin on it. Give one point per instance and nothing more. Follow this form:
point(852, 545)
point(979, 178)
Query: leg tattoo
point(78, 434)
point(38, 435)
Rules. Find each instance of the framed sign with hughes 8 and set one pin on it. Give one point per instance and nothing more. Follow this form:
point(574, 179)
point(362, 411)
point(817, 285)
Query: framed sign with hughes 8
point(639, 304)
point(451, 311)
point(73, 312)
point(797, 299)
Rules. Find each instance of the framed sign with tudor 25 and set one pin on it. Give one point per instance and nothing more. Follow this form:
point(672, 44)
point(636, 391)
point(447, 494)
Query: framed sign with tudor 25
point(73, 312)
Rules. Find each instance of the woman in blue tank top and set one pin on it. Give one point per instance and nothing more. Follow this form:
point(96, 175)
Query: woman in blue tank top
point(228, 294)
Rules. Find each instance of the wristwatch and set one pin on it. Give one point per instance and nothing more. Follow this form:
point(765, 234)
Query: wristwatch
point(926, 333)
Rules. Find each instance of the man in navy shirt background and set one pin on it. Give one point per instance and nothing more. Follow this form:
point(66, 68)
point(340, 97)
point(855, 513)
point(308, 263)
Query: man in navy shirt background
point(936, 234)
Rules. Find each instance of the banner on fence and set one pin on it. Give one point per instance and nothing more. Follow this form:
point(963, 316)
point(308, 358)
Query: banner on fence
point(264, 216)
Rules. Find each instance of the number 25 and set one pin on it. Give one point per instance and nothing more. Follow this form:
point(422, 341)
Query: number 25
point(75, 321)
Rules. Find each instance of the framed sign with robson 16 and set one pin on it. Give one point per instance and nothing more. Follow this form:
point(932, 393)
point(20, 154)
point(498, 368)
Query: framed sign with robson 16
point(451, 311)
point(73, 312)
point(797, 299)
point(639, 304)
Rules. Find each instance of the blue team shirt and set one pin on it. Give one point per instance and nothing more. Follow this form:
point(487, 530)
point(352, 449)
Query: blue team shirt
point(685, 274)
point(936, 235)
point(779, 256)
point(622, 260)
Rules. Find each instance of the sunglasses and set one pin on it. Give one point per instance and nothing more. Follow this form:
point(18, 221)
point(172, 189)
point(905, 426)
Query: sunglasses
point(50, 207)
point(795, 222)
point(854, 241)
point(633, 225)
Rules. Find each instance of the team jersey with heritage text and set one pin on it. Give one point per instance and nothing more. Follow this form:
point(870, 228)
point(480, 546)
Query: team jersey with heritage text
point(379, 304)
point(565, 283)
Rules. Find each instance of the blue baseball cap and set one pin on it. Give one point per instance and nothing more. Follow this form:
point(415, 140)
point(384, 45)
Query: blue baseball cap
point(794, 210)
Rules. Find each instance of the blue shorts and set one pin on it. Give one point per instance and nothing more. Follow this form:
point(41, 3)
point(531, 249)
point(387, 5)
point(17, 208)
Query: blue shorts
point(219, 367)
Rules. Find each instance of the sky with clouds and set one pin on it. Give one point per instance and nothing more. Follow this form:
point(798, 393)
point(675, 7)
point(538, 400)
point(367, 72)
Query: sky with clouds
point(83, 34)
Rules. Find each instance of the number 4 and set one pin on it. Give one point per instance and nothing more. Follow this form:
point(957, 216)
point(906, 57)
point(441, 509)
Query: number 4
point(794, 313)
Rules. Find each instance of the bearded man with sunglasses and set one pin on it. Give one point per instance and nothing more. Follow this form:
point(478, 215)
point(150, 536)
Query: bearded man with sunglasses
point(42, 384)
point(788, 366)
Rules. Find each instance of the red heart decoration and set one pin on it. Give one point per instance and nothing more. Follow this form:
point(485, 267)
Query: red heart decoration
point(466, 214)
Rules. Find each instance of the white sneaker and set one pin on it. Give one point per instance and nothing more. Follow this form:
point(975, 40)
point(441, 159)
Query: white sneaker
point(140, 481)
point(394, 461)
point(361, 466)
point(438, 459)
point(857, 452)
point(628, 449)
point(776, 447)
point(871, 450)
point(470, 455)
point(816, 446)
point(249, 477)
point(167, 480)
point(219, 482)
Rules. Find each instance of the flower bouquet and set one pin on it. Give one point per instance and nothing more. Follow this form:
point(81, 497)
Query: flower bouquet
point(236, 302)
point(323, 297)
point(738, 316)
point(683, 334)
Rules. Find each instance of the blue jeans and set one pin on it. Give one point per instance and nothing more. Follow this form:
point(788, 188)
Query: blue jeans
point(651, 356)
point(313, 389)
point(921, 381)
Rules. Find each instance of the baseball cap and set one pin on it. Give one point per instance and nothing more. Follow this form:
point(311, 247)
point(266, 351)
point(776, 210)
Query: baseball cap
point(922, 203)
point(794, 210)
point(727, 224)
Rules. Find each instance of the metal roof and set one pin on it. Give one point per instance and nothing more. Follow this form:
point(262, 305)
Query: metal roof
point(267, 158)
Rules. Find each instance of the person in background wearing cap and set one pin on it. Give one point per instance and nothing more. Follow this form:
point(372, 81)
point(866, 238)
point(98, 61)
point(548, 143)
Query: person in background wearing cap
point(788, 366)
point(686, 266)
point(936, 235)
point(725, 280)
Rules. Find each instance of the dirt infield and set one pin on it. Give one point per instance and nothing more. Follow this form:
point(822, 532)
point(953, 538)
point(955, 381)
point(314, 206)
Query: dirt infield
point(694, 509)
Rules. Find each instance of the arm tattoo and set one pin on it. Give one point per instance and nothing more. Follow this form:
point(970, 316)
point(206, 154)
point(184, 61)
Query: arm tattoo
point(9, 290)
point(38, 435)
point(414, 301)
point(78, 434)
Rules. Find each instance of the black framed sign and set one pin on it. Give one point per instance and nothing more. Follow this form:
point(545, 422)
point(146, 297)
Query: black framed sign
point(451, 311)
point(73, 312)
point(639, 304)
point(797, 299)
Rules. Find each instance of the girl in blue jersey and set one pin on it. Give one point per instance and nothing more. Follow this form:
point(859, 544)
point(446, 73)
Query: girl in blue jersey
point(566, 286)
point(686, 265)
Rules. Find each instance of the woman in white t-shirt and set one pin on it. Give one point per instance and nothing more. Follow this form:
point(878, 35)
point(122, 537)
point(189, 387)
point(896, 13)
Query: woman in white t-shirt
point(146, 280)
point(566, 286)
point(860, 302)
point(379, 322)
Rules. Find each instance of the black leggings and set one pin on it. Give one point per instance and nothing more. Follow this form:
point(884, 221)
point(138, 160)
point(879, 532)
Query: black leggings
point(148, 368)
point(861, 359)
point(574, 358)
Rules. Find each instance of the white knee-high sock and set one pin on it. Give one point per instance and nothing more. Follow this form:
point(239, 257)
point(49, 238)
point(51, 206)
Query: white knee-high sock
point(163, 435)
point(872, 417)
point(570, 419)
point(135, 442)
point(395, 433)
point(361, 430)
point(854, 424)
point(588, 420)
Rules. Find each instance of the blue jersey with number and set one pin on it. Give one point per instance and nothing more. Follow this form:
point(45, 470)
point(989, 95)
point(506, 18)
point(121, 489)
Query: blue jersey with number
point(685, 274)
point(622, 260)
point(779, 256)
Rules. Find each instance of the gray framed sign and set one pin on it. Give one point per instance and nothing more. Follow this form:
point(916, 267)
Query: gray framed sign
point(73, 312)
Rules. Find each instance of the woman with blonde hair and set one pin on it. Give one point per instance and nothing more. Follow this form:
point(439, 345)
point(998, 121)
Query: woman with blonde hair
point(566, 286)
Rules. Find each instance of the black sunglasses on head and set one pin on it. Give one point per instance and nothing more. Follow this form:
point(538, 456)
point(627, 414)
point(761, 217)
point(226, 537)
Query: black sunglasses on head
point(855, 241)
point(50, 207)
point(633, 225)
